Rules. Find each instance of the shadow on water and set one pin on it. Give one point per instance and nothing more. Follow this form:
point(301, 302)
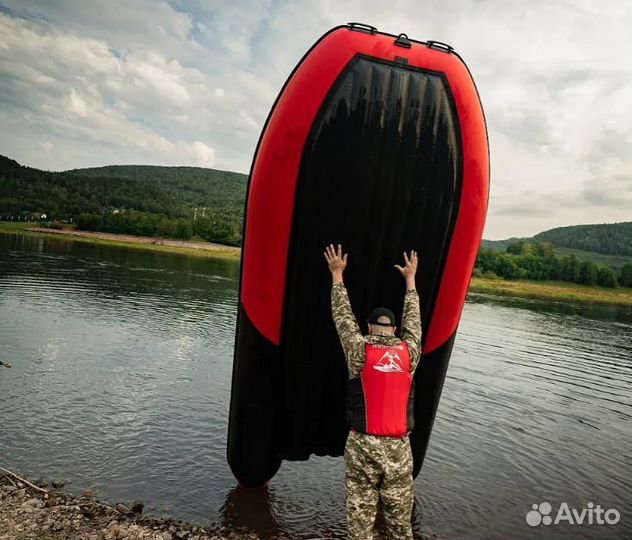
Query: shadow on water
point(259, 511)
point(250, 510)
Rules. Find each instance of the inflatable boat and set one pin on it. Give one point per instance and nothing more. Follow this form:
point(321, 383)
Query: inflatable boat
point(377, 142)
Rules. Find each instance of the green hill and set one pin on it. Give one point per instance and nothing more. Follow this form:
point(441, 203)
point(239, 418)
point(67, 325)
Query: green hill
point(134, 199)
point(607, 243)
point(604, 238)
point(501, 245)
point(615, 261)
point(173, 191)
point(185, 187)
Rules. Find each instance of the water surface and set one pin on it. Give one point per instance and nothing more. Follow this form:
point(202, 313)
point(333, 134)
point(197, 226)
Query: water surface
point(121, 383)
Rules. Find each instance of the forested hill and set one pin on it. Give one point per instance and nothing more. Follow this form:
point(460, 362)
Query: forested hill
point(188, 186)
point(605, 238)
point(174, 191)
point(133, 199)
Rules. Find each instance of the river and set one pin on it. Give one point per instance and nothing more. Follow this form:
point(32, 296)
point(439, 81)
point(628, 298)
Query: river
point(121, 382)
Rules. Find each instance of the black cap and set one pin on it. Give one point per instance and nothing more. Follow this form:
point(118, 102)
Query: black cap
point(381, 312)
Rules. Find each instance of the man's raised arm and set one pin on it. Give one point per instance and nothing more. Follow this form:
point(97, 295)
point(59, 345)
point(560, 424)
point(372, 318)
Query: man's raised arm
point(344, 319)
point(411, 317)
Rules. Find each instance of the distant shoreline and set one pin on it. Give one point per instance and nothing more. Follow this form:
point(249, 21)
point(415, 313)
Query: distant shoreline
point(557, 291)
point(167, 245)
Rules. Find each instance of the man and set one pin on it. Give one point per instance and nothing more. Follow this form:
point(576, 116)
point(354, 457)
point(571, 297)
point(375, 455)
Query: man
point(378, 457)
point(5, 364)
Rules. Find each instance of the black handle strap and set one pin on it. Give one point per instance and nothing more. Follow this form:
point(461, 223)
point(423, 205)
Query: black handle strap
point(361, 27)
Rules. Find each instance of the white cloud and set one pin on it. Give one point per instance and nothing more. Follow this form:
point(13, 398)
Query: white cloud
point(76, 105)
point(204, 155)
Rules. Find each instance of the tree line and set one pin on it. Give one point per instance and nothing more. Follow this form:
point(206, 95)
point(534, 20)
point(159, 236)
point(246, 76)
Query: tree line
point(211, 228)
point(536, 261)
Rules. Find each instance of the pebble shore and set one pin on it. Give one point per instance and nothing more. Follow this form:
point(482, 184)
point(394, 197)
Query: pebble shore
point(46, 511)
point(29, 513)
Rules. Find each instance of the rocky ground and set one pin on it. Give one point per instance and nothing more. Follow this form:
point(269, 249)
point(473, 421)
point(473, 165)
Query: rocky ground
point(48, 512)
point(39, 509)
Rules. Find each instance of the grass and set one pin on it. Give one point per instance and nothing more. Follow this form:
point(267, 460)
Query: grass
point(20, 228)
point(554, 290)
point(16, 225)
point(616, 261)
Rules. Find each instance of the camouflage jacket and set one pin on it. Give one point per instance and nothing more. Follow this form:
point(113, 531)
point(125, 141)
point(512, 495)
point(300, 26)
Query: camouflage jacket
point(353, 342)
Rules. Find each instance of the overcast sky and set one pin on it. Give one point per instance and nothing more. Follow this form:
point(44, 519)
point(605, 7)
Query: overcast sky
point(88, 83)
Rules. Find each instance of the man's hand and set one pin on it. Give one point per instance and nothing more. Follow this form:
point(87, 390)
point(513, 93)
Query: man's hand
point(336, 262)
point(409, 269)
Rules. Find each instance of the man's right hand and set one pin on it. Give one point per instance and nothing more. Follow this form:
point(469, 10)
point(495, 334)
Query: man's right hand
point(336, 261)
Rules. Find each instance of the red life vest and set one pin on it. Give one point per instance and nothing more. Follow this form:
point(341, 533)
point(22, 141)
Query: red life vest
point(379, 402)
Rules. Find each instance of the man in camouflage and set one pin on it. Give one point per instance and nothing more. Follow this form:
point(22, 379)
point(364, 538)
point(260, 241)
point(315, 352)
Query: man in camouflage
point(376, 467)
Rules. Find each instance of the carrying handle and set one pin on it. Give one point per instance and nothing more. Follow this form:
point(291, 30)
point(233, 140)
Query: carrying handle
point(361, 27)
point(439, 45)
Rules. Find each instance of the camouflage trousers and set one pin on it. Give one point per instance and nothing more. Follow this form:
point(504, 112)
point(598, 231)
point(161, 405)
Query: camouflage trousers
point(379, 468)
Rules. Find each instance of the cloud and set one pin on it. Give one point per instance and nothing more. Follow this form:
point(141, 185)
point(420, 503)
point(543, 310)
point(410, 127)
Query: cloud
point(191, 82)
point(522, 210)
point(76, 90)
point(137, 25)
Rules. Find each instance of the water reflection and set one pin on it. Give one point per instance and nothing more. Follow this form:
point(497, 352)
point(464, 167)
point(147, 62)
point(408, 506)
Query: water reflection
point(604, 312)
point(250, 510)
point(259, 511)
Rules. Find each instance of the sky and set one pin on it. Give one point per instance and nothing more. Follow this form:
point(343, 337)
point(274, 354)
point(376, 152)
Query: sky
point(191, 82)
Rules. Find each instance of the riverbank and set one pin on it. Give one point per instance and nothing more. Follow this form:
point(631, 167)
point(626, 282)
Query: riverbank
point(559, 291)
point(169, 245)
point(37, 510)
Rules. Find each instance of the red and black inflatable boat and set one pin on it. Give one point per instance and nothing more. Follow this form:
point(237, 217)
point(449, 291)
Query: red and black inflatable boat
point(377, 142)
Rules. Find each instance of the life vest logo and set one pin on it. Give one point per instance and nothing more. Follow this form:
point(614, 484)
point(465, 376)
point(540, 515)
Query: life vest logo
point(389, 363)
